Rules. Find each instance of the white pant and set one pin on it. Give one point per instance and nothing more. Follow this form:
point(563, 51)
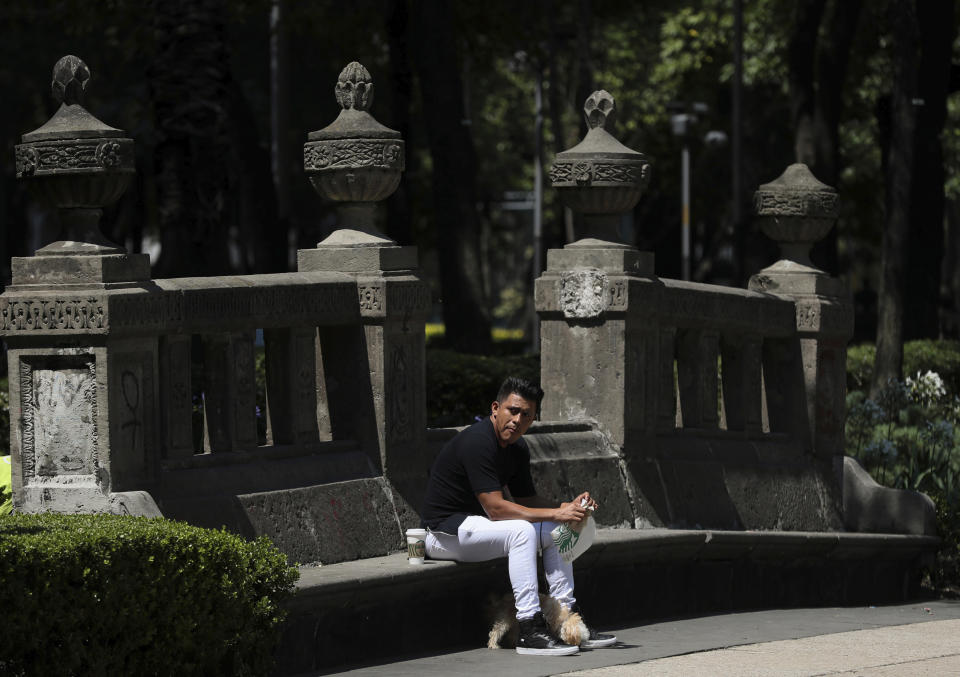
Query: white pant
point(479, 539)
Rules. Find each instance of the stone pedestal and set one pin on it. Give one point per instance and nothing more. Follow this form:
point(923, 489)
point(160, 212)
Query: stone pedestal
point(83, 405)
point(824, 315)
point(796, 210)
point(373, 373)
point(598, 334)
point(596, 297)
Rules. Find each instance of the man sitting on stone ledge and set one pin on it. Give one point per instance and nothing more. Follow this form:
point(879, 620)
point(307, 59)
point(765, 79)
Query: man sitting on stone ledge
point(481, 504)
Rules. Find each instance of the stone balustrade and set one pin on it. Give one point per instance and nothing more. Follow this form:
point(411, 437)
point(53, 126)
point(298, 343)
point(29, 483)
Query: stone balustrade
point(107, 414)
point(106, 362)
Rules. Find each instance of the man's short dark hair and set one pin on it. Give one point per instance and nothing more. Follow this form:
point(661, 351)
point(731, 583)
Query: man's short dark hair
point(523, 388)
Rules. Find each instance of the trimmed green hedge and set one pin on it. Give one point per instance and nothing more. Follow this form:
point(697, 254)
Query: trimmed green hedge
point(943, 357)
point(103, 594)
point(461, 387)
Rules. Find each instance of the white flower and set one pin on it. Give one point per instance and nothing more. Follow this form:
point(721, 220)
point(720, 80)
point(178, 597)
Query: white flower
point(926, 388)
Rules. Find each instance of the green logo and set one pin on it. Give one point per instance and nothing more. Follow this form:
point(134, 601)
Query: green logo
point(566, 540)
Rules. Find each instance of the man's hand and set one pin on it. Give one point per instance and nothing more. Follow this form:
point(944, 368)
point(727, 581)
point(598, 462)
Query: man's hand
point(585, 500)
point(570, 512)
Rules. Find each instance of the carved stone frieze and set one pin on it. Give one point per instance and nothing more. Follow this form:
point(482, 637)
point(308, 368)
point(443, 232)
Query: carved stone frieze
point(408, 297)
point(618, 295)
point(585, 173)
point(319, 156)
point(58, 405)
point(379, 298)
point(271, 302)
point(146, 310)
point(795, 203)
point(68, 314)
point(53, 157)
point(584, 293)
point(823, 316)
point(371, 297)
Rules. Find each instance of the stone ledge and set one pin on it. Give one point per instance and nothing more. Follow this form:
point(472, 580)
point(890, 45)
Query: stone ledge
point(635, 545)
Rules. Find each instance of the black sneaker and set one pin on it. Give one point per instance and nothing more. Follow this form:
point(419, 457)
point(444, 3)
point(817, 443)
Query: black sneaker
point(596, 639)
point(536, 640)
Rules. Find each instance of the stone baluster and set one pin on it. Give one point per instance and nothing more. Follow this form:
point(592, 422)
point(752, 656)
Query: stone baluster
point(600, 343)
point(176, 396)
point(796, 210)
point(373, 373)
point(229, 394)
point(666, 381)
point(697, 352)
point(291, 366)
point(742, 374)
point(83, 392)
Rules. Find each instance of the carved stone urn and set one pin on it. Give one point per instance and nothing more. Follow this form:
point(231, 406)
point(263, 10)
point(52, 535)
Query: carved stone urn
point(76, 163)
point(600, 178)
point(795, 210)
point(355, 161)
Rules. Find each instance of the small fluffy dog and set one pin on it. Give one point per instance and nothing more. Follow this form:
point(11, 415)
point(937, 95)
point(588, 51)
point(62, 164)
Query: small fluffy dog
point(505, 630)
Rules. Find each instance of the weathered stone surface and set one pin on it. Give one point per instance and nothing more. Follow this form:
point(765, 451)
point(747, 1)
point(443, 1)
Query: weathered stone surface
point(871, 508)
point(606, 259)
point(729, 483)
point(357, 260)
point(335, 522)
point(94, 270)
point(565, 464)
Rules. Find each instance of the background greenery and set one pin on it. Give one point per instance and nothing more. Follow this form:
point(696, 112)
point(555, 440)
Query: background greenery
point(908, 437)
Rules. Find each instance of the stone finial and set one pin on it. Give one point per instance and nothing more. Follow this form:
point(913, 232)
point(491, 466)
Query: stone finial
point(600, 178)
point(70, 77)
point(76, 163)
point(354, 161)
point(796, 210)
point(600, 109)
point(355, 87)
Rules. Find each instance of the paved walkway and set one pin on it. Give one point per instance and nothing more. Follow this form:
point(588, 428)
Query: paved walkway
point(891, 641)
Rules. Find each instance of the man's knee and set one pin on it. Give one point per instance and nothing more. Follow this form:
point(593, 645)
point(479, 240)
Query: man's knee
point(523, 534)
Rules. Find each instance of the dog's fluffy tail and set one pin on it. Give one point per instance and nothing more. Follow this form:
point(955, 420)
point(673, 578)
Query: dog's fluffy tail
point(498, 631)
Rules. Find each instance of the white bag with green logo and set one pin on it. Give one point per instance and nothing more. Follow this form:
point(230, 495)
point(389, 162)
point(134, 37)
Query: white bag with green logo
point(572, 540)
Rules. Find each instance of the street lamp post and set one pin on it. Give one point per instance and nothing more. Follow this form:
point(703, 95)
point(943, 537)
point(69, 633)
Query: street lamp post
point(683, 120)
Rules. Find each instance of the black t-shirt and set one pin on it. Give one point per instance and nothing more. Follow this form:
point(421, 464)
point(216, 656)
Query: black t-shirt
point(471, 463)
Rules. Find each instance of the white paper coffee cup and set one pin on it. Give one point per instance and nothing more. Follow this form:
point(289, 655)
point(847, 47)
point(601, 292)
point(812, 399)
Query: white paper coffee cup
point(416, 545)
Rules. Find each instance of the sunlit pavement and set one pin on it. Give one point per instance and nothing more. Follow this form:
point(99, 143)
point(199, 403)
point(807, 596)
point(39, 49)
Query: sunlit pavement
point(900, 651)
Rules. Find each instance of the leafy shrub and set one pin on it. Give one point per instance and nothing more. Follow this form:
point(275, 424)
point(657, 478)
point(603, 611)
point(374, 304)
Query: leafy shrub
point(940, 357)
point(909, 437)
point(461, 387)
point(103, 594)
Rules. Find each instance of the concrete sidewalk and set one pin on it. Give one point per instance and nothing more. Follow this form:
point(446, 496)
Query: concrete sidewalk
point(922, 638)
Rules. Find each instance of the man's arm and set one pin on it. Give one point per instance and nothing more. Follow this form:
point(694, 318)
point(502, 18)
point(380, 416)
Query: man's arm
point(530, 508)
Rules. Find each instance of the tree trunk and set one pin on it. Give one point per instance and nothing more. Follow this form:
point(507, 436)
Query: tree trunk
point(922, 314)
point(555, 236)
point(898, 170)
point(800, 62)
point(401, 81)
point(818, 70)
point(188, 84)
point(465, 310)
point(950, 281)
